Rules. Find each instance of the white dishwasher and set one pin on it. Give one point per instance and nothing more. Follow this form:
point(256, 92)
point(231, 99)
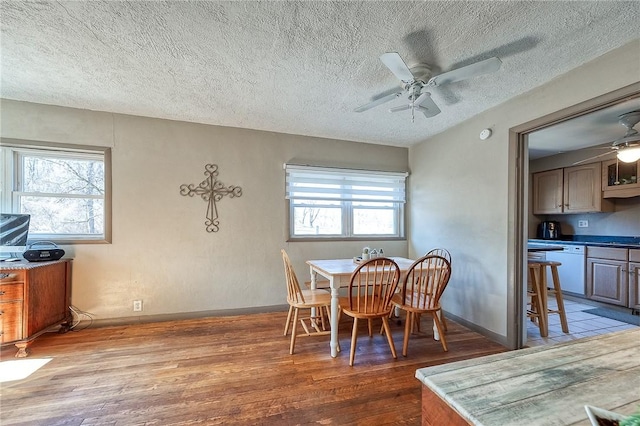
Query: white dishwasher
point(572, 271)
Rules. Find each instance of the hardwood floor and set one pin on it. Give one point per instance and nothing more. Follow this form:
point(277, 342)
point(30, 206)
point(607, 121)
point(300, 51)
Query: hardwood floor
point(225, 370)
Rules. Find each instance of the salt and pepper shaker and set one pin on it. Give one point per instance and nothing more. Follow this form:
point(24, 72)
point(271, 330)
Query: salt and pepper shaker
point(365, 253)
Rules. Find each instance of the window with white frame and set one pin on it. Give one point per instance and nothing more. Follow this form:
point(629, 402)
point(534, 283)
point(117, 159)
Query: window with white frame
point(344, 203)
point(63, 189)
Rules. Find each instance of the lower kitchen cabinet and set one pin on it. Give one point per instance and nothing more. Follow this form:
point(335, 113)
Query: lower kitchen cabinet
point(634, 279)
point(607, 275)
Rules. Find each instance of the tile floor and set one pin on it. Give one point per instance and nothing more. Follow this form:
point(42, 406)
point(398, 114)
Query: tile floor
point(581, 324)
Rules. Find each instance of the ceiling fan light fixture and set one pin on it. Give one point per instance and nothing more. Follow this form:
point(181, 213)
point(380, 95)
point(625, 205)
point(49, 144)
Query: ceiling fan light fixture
point(629, 154)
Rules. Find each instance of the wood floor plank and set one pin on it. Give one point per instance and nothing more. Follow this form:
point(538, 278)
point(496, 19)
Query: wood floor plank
point(225, 370)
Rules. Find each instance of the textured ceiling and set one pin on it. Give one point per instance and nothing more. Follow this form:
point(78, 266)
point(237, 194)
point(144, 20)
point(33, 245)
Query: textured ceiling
point(294, 67)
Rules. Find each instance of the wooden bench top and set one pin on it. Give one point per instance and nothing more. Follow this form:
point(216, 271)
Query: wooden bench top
point(543, 385)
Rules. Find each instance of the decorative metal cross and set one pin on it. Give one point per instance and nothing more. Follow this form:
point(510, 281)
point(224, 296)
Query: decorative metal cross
point(211, 190)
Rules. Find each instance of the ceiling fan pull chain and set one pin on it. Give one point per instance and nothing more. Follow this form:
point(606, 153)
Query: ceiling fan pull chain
point(413, 96)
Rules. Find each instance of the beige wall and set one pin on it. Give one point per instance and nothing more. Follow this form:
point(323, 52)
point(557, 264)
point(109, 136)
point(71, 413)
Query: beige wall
point(161, 252)
point(463, 193)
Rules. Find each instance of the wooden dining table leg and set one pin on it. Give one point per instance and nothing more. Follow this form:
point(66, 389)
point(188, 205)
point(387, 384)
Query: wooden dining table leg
point(335, 308)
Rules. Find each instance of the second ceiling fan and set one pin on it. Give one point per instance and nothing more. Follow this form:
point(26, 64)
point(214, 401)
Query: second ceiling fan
point(627, 147)
point(415, 81)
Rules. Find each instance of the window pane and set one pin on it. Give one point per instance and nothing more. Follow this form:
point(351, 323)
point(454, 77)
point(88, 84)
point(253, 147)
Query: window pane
point(57, 215)
point(373, 222)
point(317, 221)
point(62, 175)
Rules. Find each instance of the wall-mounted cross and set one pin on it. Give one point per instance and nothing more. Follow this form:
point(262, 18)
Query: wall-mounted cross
point(211, 190)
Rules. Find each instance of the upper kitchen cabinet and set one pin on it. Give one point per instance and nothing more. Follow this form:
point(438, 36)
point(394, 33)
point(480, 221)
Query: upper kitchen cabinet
point(575, 189)
point(547, 192)
point(620, 180)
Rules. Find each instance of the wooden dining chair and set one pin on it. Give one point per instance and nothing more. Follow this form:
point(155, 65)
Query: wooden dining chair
point(371, 288)
point(440, 252)
point(444, 253)
point(304, 299)
point(421, 290)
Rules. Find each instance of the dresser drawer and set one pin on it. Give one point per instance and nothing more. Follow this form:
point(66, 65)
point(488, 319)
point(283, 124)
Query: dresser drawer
point(11, 277)
point(13, 291)
point(10, 321)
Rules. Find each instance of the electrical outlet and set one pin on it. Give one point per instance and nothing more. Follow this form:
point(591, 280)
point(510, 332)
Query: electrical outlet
point(137, 306)
point(583, 224)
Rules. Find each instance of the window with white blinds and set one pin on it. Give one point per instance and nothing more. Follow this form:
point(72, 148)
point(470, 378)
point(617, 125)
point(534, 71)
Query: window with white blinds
point(345, 203)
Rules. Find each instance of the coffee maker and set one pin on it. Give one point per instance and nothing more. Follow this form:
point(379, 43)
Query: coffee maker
point(549, 230)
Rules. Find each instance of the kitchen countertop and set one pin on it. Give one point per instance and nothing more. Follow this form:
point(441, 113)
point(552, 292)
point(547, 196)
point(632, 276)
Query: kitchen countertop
point(595, 240)
point(543, 385)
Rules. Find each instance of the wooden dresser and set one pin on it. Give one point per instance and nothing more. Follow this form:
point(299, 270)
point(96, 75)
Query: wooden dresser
point(34, 297)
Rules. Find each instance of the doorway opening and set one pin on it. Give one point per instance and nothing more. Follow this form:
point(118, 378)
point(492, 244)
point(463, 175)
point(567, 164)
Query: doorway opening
point(519, 150)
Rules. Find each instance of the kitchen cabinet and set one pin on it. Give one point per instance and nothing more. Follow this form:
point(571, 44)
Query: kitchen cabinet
point(620, 180)
point(34, 297)
point(607, 276)
point(575, 189)
point(547, 192)
point(634, 279)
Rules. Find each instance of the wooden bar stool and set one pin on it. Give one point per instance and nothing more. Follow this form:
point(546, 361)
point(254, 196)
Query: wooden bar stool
point(535, 307)
point(556, 290)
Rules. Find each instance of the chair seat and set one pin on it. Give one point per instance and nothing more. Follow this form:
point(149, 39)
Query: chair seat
point(313, 298)
point(344, 307)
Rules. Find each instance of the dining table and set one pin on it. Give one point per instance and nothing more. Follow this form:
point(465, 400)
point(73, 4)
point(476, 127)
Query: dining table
point(338, 272)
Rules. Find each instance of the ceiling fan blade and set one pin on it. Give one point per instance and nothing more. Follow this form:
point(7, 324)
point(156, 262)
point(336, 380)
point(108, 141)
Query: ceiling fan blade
point(400, 108)
point(630, 137)
point(378, 101)
point(394, 62)
point(423, 97)
point(479, 68)
point(428, 112)
point(426, 105)
point(593, 158)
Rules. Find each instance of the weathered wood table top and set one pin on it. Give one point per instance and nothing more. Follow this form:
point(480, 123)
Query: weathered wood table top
point(546, 385)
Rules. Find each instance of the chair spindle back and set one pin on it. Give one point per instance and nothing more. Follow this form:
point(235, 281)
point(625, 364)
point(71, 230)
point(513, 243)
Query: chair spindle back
point(294, 294)
point(425, 282)
point(440, 252)
point(372, 286)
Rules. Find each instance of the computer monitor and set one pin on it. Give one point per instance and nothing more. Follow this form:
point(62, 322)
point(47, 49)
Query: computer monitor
point(14, 229)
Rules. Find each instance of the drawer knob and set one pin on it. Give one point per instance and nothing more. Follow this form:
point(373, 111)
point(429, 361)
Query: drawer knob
point(2, 293)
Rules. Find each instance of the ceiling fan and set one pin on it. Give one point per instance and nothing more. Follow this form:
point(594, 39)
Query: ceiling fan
point(416, 80)
point(627, 147)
